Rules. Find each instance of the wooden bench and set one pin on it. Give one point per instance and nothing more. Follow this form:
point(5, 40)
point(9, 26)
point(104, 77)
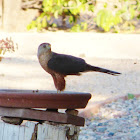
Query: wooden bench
point(34, 115)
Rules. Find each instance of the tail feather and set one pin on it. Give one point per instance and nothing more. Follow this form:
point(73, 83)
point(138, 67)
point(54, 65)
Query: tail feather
point(98, 69)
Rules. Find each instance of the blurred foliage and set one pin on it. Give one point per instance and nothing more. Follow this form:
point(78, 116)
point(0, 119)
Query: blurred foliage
point(68, 10)
point(119, 17)
point(106, 19)
point(130, 96)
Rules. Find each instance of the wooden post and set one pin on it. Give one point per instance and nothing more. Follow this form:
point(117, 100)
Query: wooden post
point(34, 131)
point(11, 14)
point(56, 131)
point(59, 126)
point(1, 13)
point(15, 132)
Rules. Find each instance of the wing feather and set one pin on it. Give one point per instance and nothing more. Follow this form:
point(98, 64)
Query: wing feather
point(66, 64)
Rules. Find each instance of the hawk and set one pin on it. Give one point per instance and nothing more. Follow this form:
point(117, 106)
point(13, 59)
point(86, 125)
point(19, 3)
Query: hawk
point(61, 65)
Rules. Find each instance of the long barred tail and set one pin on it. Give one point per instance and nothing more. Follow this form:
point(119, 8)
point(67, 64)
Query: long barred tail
point(98, 69)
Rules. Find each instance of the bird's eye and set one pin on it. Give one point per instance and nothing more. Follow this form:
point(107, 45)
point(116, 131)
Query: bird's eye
point(44, 46)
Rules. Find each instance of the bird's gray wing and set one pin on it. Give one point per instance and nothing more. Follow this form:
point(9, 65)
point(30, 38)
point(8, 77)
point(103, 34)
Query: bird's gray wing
point(66, 64)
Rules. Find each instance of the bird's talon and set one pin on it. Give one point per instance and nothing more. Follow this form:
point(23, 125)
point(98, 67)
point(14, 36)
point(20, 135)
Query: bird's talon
point(58, 91)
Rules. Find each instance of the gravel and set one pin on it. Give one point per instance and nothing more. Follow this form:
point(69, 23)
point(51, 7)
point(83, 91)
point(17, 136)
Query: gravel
point(118, 120)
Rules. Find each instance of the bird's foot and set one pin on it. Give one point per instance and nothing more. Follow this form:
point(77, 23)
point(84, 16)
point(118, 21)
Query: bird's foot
point(58, 91)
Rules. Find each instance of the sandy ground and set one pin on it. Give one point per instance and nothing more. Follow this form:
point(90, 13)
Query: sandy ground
point(121, 53)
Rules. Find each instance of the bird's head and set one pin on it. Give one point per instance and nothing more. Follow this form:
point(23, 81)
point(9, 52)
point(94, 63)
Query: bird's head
point(44, 48)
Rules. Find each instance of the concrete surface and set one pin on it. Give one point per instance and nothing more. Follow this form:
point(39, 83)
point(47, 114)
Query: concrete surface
point(113, 51)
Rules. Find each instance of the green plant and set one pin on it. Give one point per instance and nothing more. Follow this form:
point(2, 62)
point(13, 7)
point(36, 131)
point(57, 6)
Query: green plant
point(7, 45)
point(120, 17)
point(69, 11)
point(130, 96)
point(106, 19)
point(79, 27)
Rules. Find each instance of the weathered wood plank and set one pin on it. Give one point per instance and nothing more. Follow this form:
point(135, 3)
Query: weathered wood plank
point(13, 132)
point(57, 132)
point(29, 130)
point(42, 115)
point(16, 132)
point(21, 133)
point(1, 130)
point(5, 132)
point(46, 131)
point(50, 132)
point(42, 98)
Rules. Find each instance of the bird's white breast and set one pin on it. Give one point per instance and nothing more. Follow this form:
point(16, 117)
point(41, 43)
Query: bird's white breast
point(43, 60)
